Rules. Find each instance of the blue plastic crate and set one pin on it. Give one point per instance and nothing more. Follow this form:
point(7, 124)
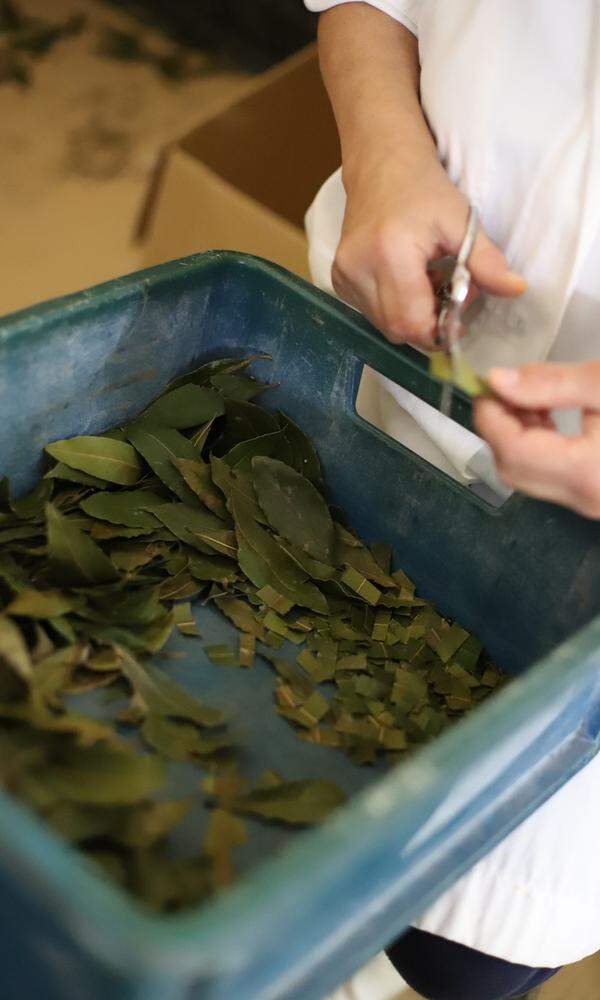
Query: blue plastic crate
point(526, 578)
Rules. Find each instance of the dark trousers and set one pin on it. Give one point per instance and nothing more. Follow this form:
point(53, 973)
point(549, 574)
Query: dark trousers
point(441, 970)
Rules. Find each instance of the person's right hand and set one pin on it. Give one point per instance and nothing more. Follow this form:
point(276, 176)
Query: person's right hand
point(399, 218)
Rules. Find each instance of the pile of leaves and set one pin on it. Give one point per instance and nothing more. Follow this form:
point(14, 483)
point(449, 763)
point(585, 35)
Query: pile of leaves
point(208, 497)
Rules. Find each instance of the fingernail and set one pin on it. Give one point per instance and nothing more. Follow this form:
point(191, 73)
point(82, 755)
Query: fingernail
point(516, 279)
point(504, 378)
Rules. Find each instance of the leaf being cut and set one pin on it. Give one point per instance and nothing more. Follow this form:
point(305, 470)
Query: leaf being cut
point(459, 374)
point(113, 461)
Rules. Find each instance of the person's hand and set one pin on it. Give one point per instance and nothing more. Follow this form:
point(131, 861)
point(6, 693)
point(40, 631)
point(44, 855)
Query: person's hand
point(531, 455)
point(399, 218)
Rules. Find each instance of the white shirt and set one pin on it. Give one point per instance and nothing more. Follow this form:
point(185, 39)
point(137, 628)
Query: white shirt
point(518, 129)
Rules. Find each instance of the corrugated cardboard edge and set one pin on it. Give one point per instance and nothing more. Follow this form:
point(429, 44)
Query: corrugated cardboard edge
point(150, 200)
point(246, 224)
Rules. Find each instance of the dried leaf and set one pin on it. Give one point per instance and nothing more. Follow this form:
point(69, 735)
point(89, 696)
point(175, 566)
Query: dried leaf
point(303, 802)
point(294, 508)
point(13, 649)
point(74, 558)
point(184, 407)
point(197, 476)
point(225, 832)
point(184, 619)
point(103, 457)
point(103, 775)
point(131, 508)
point(157, 694)
point(360, 585)
point(159, 446)
point(181, 741)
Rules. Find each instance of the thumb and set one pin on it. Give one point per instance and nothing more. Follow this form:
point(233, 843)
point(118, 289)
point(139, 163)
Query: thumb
point(490, 270)
point(549, 386)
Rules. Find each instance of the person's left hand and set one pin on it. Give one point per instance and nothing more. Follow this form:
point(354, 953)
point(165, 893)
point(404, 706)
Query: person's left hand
point(531, 455)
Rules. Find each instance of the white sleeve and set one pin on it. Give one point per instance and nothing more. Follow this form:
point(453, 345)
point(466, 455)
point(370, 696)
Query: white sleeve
point(405, 11)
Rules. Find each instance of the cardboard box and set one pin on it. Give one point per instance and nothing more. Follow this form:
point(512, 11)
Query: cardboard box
point(243, 179)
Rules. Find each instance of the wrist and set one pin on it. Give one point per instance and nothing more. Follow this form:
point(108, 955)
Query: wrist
point(410, 153)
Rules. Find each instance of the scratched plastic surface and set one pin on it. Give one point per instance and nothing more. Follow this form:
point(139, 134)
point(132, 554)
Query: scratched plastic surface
point(526, 577)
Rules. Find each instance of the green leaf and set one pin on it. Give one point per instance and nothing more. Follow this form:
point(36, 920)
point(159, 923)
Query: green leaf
point(294, 508)
point(131, 508)
point(222, 541)
point(74, 558)
point(104, 775)
point(13, 649)
point(33, 603)
point(221, 655)
point(241, 614)
point(52, 674)
point(23, 531)
point(222, 366)
point(360, 585)
point(244, 421)
point(311, 567)
point(114, 461)
point(360, 559)
point(304, 802)
point(230, 482)
point(149, 822)
point(304, 456)
point(184, 619)
point(197, 476)
point(68, 475)
point(130, 556)
point(187, 523)
point(179, 587)
point(211, 567)
point(241, 455)
point(155, 693)
point(458, 371)
point(238, 387)
point(32, 505)
point(159, 446)
point(184, 407)
point(273, 599)
point(225, 831)
point(450, 642)
point(269, 564)
point(181, 741)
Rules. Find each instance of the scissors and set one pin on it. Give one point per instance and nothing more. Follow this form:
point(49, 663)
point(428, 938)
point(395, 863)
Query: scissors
point(454, 296)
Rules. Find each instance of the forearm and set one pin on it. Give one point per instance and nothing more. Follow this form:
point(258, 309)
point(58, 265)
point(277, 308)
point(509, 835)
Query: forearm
point(370, 64)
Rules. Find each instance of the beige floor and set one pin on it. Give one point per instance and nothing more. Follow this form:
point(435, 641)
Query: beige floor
point(76, 152)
